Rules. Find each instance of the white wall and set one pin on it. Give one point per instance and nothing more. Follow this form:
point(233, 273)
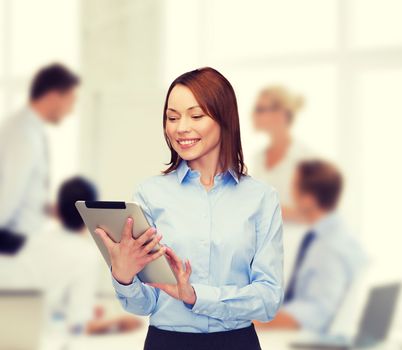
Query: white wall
point(121, 139)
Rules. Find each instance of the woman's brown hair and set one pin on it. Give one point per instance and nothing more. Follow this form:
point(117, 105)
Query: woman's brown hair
point(216, 97)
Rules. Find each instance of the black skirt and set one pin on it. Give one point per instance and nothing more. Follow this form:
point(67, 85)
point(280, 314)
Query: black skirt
point(238, 339)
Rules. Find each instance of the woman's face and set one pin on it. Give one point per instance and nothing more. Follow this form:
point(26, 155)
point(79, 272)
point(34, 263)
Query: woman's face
point(191, 132)
point(269, 116)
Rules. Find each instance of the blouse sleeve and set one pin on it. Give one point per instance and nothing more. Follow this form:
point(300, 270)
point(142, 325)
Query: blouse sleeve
point(137, 297)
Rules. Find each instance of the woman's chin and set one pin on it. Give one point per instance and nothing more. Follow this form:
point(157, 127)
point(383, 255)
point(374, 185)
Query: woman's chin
point(188, 157)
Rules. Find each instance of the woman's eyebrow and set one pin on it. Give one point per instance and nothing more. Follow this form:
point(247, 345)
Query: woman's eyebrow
point(173, 110)
point(193, 107)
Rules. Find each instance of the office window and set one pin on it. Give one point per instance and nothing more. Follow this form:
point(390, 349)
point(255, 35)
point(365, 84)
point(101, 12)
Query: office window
point(379, 113)
point(2, 36)
point(42, 30)
point(32, 34)
point(375, 23)
point(241, 29)
point(3, 49)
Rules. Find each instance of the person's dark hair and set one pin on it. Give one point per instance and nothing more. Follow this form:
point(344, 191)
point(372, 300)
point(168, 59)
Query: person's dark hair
point(322, 180)
point(72, 190)
point(11, 242)
point(216, 97)
point(54, 77)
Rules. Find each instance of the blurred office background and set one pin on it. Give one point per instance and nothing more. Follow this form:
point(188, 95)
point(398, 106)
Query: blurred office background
point(343, 56)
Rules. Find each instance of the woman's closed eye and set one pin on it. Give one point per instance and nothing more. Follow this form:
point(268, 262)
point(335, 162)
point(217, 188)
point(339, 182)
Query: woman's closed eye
point(172, 118)
point(198, 116)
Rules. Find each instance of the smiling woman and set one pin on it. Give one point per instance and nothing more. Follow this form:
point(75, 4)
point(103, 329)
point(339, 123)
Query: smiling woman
point(226, 224)
point(201, 105)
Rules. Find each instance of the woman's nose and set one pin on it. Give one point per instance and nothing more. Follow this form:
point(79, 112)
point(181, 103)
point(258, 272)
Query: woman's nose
point(183, 126)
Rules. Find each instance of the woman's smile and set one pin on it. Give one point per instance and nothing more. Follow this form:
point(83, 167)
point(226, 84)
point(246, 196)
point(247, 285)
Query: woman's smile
point(187, 143)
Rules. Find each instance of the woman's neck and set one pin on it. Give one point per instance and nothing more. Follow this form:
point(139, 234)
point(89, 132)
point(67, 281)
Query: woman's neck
point(208, 166)
point(277, 149)
point(280, 141)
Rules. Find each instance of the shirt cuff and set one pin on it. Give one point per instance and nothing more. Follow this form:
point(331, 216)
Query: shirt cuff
point(207, 297)
point(129, 290)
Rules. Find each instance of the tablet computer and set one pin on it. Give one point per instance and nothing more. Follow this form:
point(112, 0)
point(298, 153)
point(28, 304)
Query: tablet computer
point(111, 217)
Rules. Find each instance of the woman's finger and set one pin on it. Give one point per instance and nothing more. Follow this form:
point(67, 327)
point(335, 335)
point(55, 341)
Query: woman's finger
point(172, 264)
point(127, 234)
point(145, 237)
point(188, 268)
point(156, 255)
point(107, 241)
point(151, 245)
point(176, 266)
point(174, 257)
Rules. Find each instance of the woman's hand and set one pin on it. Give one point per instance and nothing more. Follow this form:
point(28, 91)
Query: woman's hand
point(183, 289)
point(131, 255)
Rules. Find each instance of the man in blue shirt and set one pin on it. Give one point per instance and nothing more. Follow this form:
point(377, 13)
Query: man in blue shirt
point(329, 259)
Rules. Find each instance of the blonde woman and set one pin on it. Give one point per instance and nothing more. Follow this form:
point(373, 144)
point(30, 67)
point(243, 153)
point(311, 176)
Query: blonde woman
point(274, 113)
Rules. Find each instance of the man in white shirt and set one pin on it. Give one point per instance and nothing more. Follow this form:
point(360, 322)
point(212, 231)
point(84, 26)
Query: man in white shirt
point(24, 174)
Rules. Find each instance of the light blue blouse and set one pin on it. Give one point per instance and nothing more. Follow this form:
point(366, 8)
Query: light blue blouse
point(232, 236)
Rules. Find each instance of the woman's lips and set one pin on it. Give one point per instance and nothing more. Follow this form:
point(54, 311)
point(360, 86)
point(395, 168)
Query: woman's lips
point(186, 144)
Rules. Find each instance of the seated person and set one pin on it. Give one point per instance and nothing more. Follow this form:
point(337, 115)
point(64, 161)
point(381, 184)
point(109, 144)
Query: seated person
point(328, 260)
point(63, 262)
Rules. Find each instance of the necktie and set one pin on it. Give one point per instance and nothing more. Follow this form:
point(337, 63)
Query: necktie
point(307, 240)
